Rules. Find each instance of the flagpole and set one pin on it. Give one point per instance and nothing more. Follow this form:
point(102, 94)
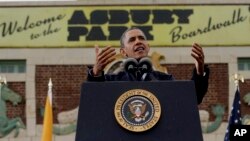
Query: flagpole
point(50, 90)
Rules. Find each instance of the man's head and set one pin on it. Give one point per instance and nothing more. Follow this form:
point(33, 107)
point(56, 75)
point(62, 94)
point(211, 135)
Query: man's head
point(134, 43)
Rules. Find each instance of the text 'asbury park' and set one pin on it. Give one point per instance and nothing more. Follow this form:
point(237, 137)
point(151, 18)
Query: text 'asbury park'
point(117, 21)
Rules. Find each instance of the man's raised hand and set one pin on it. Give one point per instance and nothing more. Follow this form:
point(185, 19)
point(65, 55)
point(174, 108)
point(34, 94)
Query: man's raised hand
point(103, 58)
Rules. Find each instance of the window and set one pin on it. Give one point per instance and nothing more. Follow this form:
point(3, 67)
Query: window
point(244, 64)
point(12, 66)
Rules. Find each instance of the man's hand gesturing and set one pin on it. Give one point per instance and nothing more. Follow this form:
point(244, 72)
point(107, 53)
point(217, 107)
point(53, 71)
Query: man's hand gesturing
point(103, 57)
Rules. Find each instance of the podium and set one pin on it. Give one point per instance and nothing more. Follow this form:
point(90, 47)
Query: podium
point(179, 119)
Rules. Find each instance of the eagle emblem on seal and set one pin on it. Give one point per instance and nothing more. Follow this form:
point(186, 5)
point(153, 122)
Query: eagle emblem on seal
point(138, 110)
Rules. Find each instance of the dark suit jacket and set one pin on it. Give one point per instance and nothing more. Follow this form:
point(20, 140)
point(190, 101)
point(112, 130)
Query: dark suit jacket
point(201, 82)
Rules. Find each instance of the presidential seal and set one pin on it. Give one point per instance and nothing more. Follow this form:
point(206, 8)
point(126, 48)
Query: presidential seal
point(137, 110)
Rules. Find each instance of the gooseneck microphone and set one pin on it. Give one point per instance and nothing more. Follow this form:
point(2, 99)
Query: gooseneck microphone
point(145, 65)
point(130, 65)
point(138, 69)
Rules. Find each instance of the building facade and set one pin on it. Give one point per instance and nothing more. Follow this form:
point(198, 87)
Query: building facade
point(60, 46)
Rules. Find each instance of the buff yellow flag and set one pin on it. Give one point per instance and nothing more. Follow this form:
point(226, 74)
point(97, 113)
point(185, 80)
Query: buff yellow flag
point(48, 116)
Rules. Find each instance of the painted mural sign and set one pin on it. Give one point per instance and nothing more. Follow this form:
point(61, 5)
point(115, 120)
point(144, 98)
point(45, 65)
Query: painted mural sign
point(84, 26)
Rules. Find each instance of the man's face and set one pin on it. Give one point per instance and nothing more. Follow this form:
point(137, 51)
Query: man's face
point(135, 44)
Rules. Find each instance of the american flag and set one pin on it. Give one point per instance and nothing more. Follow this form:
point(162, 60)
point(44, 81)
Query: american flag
point(235, 117)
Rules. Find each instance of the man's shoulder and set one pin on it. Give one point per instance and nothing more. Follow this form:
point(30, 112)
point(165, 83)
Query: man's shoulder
point(160, 73)
point(162, 76)
point(120, 73)
point(120, 76)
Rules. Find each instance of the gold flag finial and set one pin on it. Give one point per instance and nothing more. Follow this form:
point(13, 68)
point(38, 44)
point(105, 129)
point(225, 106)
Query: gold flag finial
point(236, 77)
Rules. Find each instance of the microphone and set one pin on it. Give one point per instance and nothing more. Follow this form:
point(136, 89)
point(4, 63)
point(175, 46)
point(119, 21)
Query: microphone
point(145, 65)
point(139, 70)
point(130, 65)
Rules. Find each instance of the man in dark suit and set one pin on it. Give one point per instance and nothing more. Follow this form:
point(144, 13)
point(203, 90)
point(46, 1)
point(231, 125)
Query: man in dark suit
point(134, 45)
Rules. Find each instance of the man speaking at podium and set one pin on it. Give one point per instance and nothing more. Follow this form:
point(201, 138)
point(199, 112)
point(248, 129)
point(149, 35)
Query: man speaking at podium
point(135, 48)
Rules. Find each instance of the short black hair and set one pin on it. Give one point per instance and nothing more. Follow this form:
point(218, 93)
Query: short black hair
point(123, 35)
